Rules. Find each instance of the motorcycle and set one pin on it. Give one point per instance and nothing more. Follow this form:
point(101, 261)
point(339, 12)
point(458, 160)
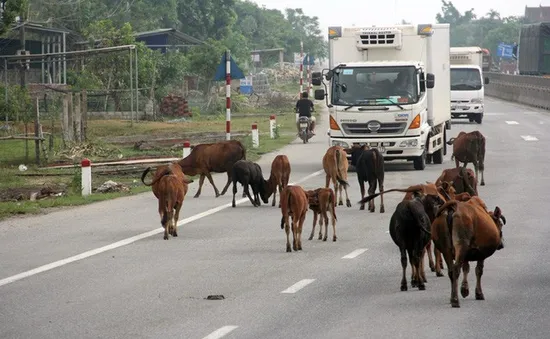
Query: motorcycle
point(304, 130)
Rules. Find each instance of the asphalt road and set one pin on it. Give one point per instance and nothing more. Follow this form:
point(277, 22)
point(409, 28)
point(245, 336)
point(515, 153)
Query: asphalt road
point(103, 270)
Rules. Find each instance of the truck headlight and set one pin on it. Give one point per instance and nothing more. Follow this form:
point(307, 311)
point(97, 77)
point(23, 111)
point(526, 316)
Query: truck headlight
point(477, 101)
point(340, 143)
point(409, 143)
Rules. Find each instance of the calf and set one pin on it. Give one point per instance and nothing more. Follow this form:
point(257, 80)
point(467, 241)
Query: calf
point(249, 173)
point(294, 203)
point(321, 201)
point(470, 147)
point(369, 165)
point(464, 232)
point(463, 180)
point(217, 158)
point(335, 164)
point(170, 169)
point(410, 231)
point(279, 176)
point(171, 194)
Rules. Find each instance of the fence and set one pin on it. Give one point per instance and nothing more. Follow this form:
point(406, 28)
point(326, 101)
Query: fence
point(529, 90)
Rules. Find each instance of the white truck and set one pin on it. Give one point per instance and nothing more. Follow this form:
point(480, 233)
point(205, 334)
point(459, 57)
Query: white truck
point(467, 88)
point(389, 87)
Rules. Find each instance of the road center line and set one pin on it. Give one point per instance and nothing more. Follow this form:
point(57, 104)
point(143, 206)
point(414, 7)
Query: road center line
point(355, 253)
point(512, 122)
point(298, 286)
point(220, 332)
point(130, 240)
point(529, 138)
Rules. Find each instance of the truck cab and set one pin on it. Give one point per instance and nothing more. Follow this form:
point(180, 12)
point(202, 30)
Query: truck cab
point(467, 83)
point(382, 90)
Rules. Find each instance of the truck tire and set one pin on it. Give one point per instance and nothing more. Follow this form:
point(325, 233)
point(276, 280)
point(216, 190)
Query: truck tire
point(438, 157)
point(420, 162)
point(479, 118)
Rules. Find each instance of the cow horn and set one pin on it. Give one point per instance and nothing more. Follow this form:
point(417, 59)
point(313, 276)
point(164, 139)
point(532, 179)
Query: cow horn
point(503, 219)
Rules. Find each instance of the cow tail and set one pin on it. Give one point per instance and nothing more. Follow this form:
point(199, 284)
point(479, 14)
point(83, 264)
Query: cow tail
point(332, 200)
point(143, 176)
point(451, 141)
point(481, 153)
point(285, 206)
point(339, 175)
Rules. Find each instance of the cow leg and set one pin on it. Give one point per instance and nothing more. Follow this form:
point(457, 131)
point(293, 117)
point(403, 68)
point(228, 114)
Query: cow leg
point(247, 192)
point(372, 190)
point(438, 262)
point(479, 273)
point(348, 202)
point(209, 176)
point(457, 163)
point(327, 181)
point(381, 189)
point(287, 231)
point(313, 227)
point(256, 195)
point(229, 179)
point(362, 188)
point(300, 228)
point(420, 275)
point(430, 257)
point(325, 216)
point(404, 266)
point(421, 272)
point(414, 281)
point(464, 290)
point(320, 226)
point(477, 168)
point(176, 219)
point(275, 193)
point(294, 233)
point(456, 267)
point(333, 221)
point(201, 181)
point(234, 192)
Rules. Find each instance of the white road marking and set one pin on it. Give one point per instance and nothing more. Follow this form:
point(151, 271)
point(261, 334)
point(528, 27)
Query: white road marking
point(355, 253)
point(491, 113)
point(220, 332)
point(529, 138)
point(130, 240)
point(298, 286)
point(512, 122)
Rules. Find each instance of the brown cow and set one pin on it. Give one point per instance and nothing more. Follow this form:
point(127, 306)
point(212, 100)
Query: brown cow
point(470, 147)
point(464, 232)
point(171, 195)
point(335, 164)
point(280, 175)
point(321, 201)
point(462, 182)
point(170, 169)
point(294, 203)
point(217, 158)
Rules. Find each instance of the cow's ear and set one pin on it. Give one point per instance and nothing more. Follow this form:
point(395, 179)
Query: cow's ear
point(497, 213)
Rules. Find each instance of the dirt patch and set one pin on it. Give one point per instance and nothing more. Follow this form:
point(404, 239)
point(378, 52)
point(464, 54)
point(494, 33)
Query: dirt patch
point(31, 193)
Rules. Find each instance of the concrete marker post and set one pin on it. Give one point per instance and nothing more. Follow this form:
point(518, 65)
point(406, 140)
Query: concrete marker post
point(272, 126)
point(86, 178)
point(255, 136)
point(186, 148)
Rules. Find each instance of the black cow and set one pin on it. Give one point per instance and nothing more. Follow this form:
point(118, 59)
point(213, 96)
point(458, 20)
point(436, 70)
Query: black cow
point(249, 173)
point(410, 231)
point(369, 165)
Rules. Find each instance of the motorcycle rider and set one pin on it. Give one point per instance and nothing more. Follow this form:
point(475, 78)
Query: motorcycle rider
point(304, 106)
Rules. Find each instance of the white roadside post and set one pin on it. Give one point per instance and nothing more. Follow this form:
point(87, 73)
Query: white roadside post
point(255, 136)
point(86, 179)
point(272, 124)
point(186, 148)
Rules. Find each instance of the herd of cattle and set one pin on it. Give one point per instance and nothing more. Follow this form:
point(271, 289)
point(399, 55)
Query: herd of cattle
point(448, 213)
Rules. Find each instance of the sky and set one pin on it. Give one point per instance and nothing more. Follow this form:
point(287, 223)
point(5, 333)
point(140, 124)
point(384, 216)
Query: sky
point(368, 12)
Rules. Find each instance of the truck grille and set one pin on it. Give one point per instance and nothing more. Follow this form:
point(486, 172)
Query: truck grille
point(385, 128)
point(460, 101)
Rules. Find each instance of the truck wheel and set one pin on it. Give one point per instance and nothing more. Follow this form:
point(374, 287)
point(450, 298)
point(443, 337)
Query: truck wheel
point(420, 162)
point(479, 118)
point(438, 157)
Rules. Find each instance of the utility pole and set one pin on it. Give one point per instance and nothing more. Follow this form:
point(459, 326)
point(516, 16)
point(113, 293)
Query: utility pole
point(22, 73)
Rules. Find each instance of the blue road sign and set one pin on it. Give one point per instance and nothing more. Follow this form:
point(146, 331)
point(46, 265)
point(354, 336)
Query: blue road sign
point(236, 72)
point(505, 50)
point(309, 60)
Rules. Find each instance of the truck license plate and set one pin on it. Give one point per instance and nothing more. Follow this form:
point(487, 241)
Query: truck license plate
point(303, 124)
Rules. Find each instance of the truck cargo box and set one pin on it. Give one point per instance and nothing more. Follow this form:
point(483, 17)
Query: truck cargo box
point(534, 49)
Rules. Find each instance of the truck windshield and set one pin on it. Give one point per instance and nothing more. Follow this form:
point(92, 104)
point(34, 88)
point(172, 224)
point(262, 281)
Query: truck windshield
point(465, 79)
point(374, 86)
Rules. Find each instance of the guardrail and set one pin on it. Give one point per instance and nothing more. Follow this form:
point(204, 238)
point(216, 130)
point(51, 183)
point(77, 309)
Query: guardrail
point(524, 89)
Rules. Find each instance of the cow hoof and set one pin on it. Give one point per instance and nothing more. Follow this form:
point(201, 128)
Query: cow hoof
point(382, 209)
point(480, 296)
point(340, 203)
point(320, 237)
point(432, 267)
point(348, 203)
point(233, 205)
point(334, 238)
point(196, 195)
point(413, 283)
point(165, 237)
point(175, 234)
point(403, 288)
point(421, 287)
point(482, 183)
point(325, 239)
point(455, 303)
point(439, 274)
point(464, 291)
point(310, 237)
point(288, 249)
point(279, 205)
point(362, 207)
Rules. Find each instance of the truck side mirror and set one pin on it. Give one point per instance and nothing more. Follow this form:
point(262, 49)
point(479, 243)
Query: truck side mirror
point(486, 80)
point(319, 94)
point(316, 78)
point(430, 80)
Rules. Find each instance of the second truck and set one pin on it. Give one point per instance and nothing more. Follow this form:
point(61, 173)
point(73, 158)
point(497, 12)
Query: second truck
point(389, 87)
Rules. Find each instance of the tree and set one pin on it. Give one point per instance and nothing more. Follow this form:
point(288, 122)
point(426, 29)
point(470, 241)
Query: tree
point(10, 10)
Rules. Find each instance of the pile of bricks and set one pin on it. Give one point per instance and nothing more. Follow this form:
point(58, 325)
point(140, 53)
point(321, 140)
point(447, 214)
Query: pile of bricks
point(175, 105)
